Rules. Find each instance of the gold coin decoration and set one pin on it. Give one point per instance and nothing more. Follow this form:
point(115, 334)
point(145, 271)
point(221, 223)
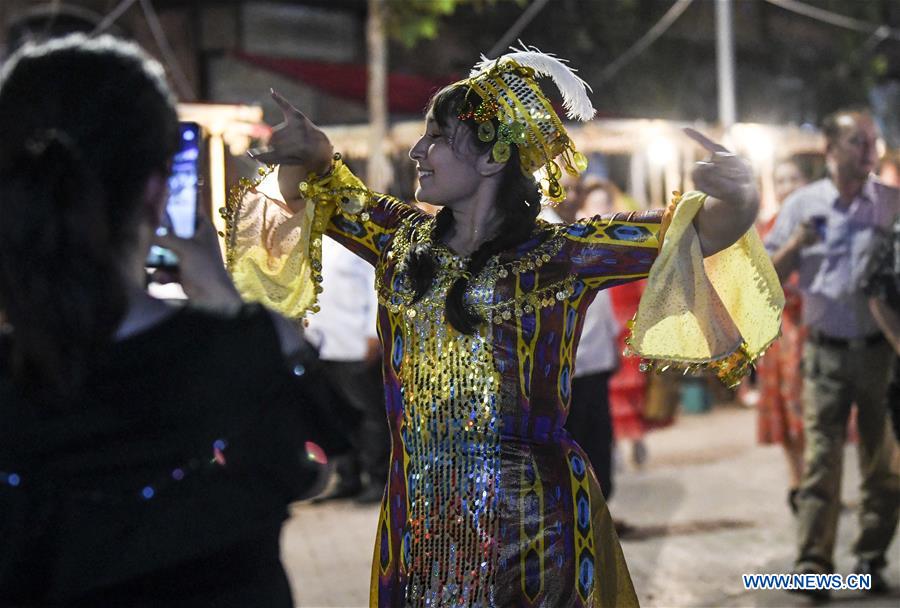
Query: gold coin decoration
point(486, 131)
point(554, 190)
point(581, 162)
point(553, 170)
point(500, 152)
point(517, 133)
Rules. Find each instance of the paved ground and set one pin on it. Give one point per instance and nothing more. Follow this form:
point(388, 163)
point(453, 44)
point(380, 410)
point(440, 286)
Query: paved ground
point(709, 505)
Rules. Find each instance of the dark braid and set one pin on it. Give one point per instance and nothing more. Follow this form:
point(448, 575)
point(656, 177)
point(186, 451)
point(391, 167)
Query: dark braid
point(422, 266)
point(518, 205)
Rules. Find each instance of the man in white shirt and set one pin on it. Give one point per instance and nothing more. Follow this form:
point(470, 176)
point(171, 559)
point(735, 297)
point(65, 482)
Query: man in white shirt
point(344, 332)
point(826, 232)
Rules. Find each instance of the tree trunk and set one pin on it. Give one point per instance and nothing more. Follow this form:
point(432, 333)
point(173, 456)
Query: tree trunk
point(378, 169)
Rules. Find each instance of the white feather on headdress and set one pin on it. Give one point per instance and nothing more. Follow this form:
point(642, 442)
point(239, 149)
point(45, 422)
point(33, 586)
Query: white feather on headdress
point(573, 89)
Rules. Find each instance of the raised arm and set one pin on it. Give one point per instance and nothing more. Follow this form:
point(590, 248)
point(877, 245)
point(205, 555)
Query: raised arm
point(732, 203)
point(299, 148)
point(208, 286)
point(786, 259)
point(274, 226)
point(722, 312)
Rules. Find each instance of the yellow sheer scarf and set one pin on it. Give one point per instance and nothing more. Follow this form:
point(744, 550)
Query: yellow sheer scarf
point(273, 253)
point(721, 312)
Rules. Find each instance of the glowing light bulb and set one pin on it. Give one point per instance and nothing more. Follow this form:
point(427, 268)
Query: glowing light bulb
point(660, 151)
point(756, 142)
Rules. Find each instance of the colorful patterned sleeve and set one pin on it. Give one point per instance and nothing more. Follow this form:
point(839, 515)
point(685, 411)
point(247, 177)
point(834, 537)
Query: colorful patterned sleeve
point(719, 312)
point(608, 250)
point(274, 252)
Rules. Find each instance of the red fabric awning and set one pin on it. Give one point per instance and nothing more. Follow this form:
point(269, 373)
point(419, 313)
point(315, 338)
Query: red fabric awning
point(407, 93)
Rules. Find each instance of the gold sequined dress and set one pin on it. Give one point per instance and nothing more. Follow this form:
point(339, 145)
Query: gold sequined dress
point(489, 501)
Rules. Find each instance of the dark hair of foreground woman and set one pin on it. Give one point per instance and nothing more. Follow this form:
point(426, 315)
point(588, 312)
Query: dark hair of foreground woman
point(143, 460)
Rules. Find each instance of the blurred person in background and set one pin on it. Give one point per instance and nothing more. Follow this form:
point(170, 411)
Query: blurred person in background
point(343, 332)
point(599, 196)
point(883, 287)
point(787, 176)
point(778, 373)
point(628, 385)
point(481, 309)
point(596, 358)
point(825, 231)
point(146, 459)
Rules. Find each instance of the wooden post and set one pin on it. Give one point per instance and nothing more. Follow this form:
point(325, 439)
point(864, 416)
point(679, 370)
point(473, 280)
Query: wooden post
point(378, 170)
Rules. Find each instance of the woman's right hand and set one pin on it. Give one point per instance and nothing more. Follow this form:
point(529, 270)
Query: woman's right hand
point(297, 145)
point(296, 141)
point(200, 271)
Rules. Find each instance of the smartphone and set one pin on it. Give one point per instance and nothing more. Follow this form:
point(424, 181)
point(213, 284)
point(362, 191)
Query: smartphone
point(820, 223)
point(180, 217)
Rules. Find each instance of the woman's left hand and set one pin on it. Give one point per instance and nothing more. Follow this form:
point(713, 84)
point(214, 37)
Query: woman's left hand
point(725, 175)
point(733, 198)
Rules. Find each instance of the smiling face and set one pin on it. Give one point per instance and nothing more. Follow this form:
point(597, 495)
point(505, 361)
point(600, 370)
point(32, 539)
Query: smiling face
point(445, 163)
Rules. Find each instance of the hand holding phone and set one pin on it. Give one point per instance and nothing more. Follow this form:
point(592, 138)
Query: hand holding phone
point(809, 232)
point(819, 223)
point(201, 271)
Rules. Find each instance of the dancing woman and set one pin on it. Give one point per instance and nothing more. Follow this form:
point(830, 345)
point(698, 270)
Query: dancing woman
point(489, 502)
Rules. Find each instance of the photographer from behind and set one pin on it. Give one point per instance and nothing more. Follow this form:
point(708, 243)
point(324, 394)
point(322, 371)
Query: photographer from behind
point(145, 460)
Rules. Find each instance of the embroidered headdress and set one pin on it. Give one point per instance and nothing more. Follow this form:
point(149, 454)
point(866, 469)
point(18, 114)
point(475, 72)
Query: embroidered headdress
point(509, 91)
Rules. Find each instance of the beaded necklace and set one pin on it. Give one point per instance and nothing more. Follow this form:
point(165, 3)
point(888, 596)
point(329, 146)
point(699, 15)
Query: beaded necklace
point(398, 297)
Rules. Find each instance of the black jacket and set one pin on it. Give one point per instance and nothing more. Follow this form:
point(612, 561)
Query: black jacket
point(165, 481)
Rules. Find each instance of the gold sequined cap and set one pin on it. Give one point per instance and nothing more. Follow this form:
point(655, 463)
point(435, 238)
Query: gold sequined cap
point(510, 93)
